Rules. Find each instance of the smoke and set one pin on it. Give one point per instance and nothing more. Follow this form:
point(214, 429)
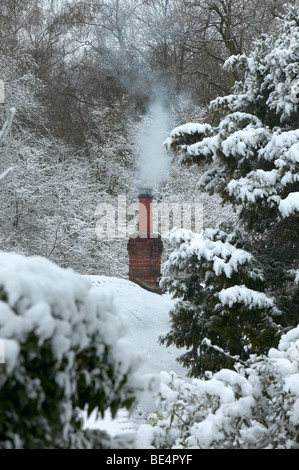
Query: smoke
point(152, 160)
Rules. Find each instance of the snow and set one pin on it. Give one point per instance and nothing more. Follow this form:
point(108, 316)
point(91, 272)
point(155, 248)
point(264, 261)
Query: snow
point(280, 143)
point(11, 353)
point(226, 257)
point(241, 294)
point(45, 305)
point(290, 204)
point(241, 140)
point(206, 147)
point(188, 128)
point(147, 317)
point(191, 128)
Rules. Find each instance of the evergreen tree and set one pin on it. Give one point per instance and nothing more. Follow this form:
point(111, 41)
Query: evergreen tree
point(238, 304)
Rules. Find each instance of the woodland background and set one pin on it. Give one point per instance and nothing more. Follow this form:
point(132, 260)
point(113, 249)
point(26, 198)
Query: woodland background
point(81, 76)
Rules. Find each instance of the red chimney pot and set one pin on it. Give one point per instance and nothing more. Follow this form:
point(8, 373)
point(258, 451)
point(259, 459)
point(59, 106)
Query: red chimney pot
point(145, 247)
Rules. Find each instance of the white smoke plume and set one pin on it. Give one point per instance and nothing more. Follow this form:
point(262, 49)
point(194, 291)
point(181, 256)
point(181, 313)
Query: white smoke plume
point(152, 160)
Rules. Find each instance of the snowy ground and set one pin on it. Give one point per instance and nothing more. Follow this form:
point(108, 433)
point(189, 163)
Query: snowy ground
point(147, 315)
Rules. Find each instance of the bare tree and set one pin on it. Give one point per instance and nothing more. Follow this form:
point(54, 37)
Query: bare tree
point(224, 28)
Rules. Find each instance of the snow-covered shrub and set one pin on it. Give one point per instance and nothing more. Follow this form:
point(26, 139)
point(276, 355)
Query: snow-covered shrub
point(255, 406)
point(64, 352)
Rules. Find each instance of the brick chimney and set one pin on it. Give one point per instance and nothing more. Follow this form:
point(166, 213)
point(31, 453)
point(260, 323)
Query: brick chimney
point(145, 247)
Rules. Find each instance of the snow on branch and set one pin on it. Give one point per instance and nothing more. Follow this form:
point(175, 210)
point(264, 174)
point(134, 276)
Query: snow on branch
point(241, 294)
point(290, 204)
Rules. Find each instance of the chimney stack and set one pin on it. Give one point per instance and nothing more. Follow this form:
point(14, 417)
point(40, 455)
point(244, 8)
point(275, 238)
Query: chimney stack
point(145, 247)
